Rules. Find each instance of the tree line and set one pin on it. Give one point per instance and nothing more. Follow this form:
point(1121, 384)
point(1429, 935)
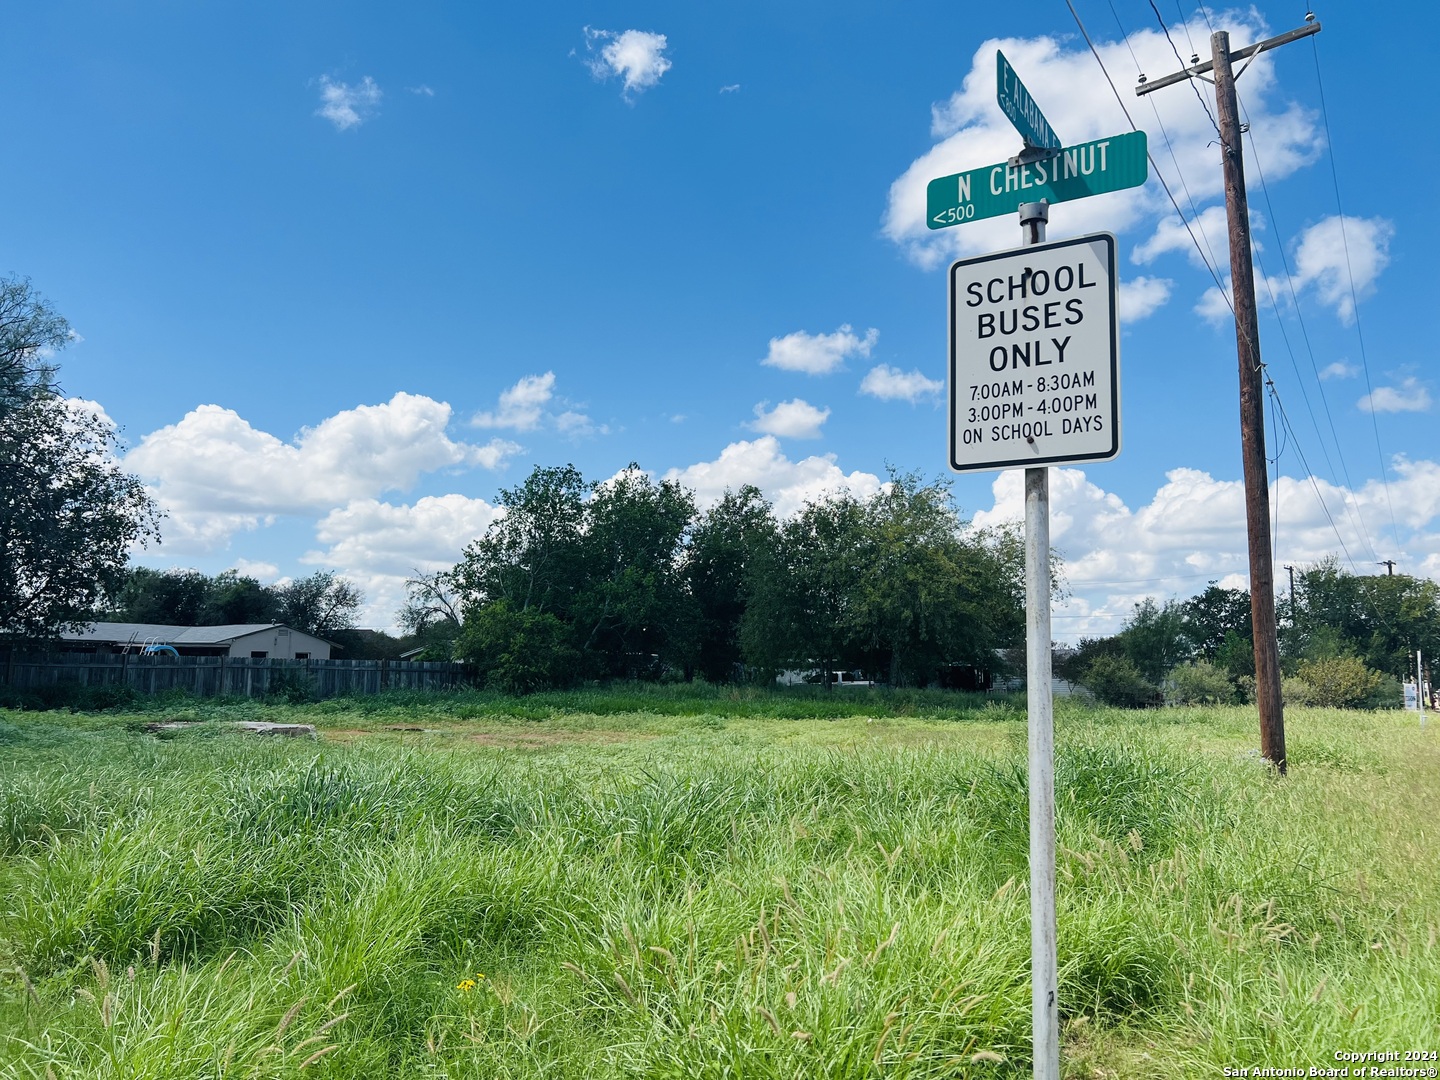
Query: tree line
point(1345, 640)
point(628, 578)
point(323, 604)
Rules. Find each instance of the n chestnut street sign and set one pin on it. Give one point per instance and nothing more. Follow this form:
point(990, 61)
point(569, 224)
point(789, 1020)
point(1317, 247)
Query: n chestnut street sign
point(1017, 104)
point(1035, 356)
point(1076, 172)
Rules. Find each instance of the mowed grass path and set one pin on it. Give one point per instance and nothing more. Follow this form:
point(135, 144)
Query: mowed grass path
point(712, 884)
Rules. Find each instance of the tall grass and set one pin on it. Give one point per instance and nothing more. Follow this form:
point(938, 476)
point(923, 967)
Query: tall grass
point(714, 892)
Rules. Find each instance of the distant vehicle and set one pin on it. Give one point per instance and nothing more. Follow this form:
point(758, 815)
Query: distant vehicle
point(817, 678)
point(843, 678)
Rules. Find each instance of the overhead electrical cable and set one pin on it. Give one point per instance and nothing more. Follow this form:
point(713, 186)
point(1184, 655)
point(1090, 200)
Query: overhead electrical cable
point(1310, 473)
point(1181, 61)
point(1354, 298)
point(1184, 22)
point(1214, 275)
point(1357, 519)
point(1169, 145)
point(1151, 157)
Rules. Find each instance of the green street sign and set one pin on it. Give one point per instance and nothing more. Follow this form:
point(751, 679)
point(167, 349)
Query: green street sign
point(1076, 172)
point(1017, 104)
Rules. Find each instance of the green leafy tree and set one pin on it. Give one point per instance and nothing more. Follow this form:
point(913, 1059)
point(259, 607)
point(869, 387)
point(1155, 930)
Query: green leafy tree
point(928, 594)
point(1154, 639)
point(518, 651)
point(31, 332)
point(1382, 618)
point(726, 545)
point(530, 556)
point(631, 603)
point(1339, 681)
point(234, 598)
point(1074, 664)
point(1199, 683)
point(319, 604)
point(180, 597)
point(1115, 680)
point(168, 597)
point(1210, 618)
point(69, 515)
point(806, 591)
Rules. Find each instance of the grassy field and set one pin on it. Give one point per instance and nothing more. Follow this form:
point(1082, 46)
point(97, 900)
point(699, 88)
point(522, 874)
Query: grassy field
point(673, 883)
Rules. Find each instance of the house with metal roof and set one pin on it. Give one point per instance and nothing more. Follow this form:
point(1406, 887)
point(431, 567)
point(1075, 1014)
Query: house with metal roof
point(257, 640)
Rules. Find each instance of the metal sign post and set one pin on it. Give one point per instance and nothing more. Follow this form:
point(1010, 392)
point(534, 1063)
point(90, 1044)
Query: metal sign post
point(1035, 381)
point(1044, 975)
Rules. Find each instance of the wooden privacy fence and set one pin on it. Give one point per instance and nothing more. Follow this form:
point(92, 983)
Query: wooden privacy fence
point(242, 676)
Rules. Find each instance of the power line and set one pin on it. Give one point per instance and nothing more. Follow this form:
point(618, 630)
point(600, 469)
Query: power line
point(1310, 473)
point(1149, 156)
point(1146, 581)
point(1185, 25)
point(1356, 518)
point(1169, 145)
point(1354, 299)
point(1195, 59)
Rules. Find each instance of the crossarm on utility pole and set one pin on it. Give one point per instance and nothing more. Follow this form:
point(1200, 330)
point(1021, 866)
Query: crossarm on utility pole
point(1239, 54)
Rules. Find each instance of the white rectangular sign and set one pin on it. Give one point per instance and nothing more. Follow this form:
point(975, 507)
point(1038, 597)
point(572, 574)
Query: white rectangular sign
point(1035, 356)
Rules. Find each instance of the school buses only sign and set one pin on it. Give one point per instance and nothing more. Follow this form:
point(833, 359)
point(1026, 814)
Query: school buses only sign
point(1035, 356)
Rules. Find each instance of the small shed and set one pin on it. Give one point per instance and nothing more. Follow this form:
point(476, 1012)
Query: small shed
point(258, 640)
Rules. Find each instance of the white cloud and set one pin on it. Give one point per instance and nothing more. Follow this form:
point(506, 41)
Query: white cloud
point(637, 56)
point(420, 91)
point(1143, 296)
point(1214, 305)
point(788, 484)
point(348, 106)
point(1210, 231)
point(373, 537)
point(1192, 531)
point(520, 405)
point(730, 89)
point(379, 545)
point(263, 572)
point(1339, 370)
point(891, 384)
point(215, 474)
point(523, 408)
point(796, 419)
point(1409, 396)
point(1325, 255)
point(1331, 251)
point(819, 354)
point(970, 132)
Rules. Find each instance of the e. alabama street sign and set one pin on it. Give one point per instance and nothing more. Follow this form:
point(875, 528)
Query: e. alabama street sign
point(1035, 356)
point(1019, 107)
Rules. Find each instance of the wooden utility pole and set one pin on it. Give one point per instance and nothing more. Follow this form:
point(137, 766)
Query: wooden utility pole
point(1252, 381)
point(1389, 565)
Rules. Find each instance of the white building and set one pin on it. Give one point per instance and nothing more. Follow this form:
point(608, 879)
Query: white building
point(245, 639)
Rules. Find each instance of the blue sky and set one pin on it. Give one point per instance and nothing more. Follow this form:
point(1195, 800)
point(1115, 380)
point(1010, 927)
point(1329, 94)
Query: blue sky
point(342, 271)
